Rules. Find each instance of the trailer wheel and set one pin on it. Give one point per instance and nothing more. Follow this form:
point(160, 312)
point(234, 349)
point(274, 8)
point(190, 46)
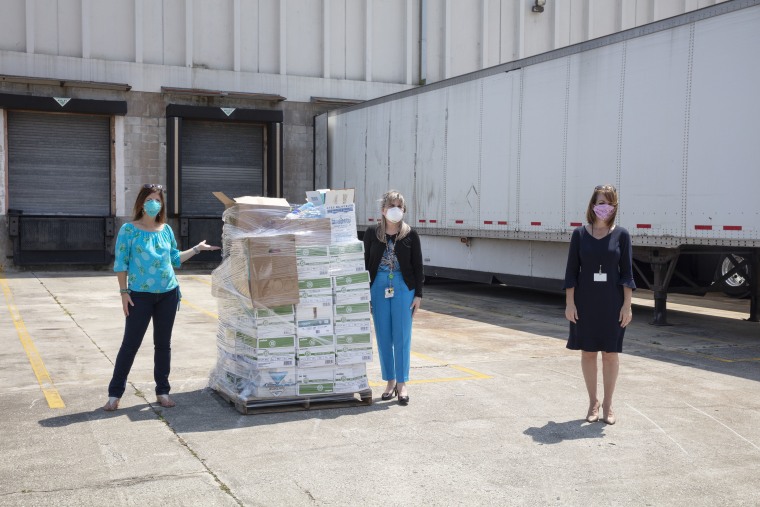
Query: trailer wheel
point(737, 285)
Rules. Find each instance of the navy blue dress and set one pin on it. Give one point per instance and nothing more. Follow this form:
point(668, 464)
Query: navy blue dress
point(598, 303)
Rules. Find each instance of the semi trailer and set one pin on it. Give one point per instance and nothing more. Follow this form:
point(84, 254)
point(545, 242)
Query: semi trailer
point(499, 165)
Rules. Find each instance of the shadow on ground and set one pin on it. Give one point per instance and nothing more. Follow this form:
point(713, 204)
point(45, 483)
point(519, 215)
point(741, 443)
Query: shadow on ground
point(204, 410)
point(555, 433)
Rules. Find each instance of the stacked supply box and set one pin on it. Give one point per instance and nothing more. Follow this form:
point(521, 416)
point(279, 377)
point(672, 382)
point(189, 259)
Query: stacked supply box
point(293, 300)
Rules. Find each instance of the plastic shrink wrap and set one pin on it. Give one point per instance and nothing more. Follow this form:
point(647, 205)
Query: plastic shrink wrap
point(293, 301)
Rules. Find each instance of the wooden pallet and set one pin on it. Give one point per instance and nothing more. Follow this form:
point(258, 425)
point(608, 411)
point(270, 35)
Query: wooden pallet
point(296, 403)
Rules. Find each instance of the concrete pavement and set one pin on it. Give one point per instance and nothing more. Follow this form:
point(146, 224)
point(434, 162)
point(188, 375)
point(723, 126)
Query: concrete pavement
point(496, 412)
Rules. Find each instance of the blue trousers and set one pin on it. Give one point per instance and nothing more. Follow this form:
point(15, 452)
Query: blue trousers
point(162, 308)
point(393, 325)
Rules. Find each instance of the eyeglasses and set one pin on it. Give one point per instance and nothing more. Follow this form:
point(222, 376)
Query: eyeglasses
point(605, 187)
point(153, 186)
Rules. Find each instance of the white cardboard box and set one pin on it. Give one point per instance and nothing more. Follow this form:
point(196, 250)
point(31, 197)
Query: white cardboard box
point(314, 316)
point(348, 297)
point(271, 383)
point(315, 351)
point(353, 324)
point(351, 379)
point(271, 352)
point(342, 222)
point(353, 348)
point(315, 381)
point(313, 262)
point(315, 287)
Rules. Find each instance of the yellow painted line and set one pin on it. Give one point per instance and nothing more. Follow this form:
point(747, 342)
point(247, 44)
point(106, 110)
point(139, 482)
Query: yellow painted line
point(52, 396)
point(473, 374)
point(202, 280)
point(198, 308)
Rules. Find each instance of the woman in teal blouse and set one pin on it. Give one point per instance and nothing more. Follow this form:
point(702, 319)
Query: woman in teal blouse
point(145, 257)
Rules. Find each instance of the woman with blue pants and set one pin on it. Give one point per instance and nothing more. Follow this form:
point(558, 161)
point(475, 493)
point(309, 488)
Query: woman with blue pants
point(393, 257)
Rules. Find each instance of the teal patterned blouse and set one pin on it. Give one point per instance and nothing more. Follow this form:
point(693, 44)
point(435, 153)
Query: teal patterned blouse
point(147, 257)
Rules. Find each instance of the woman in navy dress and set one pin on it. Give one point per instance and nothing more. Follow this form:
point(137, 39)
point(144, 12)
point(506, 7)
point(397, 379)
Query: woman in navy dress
point(598, 288)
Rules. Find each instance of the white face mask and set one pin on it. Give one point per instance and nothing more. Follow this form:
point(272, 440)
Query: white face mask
point(394, 215)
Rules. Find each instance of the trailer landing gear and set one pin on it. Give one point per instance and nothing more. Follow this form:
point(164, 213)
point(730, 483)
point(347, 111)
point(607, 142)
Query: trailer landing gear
point(754, 287)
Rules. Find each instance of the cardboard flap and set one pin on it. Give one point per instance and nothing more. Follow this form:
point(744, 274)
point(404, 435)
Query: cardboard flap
point(340, 196)
point(247, 199)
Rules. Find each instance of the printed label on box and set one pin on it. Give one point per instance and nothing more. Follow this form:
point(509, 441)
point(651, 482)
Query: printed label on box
point(352, 281)
point(352, 324)
point(314, 317)
point(351, 379)
point(313, 381)
point(272, 383)
point(315, 287)
point(353, 248)
point(272, 352)
point(348, 297)
point(353, 348)
point(350, 309)
point(315, 351)
point(342, 222)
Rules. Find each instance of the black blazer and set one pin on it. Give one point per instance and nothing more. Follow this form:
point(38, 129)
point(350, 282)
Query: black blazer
point(408, 251)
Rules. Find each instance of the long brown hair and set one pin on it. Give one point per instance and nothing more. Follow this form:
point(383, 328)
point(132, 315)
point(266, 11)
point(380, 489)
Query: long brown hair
point(610, 195)
point(145, 191)
point(387, 201)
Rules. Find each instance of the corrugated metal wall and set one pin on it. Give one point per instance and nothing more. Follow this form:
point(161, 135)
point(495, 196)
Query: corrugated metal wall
point(59, 164)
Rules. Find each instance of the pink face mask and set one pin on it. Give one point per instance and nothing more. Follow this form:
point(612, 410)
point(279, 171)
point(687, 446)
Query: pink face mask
point(604, 211)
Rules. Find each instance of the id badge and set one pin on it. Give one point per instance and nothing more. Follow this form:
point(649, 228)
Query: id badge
point(600, 277)
point(389, 292)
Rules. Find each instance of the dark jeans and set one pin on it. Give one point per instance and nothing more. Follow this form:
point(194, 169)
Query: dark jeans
point(162, 308)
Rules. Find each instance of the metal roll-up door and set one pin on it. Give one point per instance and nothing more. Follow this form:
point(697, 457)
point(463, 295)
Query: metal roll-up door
point(59, 164)
point(216, 156)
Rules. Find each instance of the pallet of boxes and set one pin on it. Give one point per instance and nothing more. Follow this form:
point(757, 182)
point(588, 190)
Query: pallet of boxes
point(293, 299)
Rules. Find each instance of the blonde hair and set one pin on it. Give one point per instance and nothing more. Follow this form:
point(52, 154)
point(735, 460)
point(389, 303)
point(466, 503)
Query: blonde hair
point(390, 197)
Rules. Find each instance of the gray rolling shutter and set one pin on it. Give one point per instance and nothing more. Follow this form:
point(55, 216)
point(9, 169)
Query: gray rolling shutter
point(59, 164)
point(216, 156)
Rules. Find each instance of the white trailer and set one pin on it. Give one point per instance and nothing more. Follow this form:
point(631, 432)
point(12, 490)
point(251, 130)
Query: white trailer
point(498, 165)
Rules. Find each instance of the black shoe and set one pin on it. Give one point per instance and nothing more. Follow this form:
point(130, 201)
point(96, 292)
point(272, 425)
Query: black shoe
point(390, 395)
point(403, 400)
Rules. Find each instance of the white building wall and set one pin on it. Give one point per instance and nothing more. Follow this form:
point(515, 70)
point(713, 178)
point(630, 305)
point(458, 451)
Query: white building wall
point(110, 25)
point(294, 37)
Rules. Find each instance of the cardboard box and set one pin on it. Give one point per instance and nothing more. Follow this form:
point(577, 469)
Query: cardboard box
point(273, 272)
point(252, 213)
point(353, 348)
point(342, 222)
point(353, 324)
point(353, 297)
point(271, 383)
point(354, 281)
point(351, 379)
point(313, 262)
point(272, 352)
point(347, 258)
point(351, 310)
point(315, 381)
point(314, 316)
point(315, 287)
point(316, 351)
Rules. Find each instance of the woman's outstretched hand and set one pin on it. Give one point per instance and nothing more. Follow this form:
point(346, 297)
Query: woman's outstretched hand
point(202, 246)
